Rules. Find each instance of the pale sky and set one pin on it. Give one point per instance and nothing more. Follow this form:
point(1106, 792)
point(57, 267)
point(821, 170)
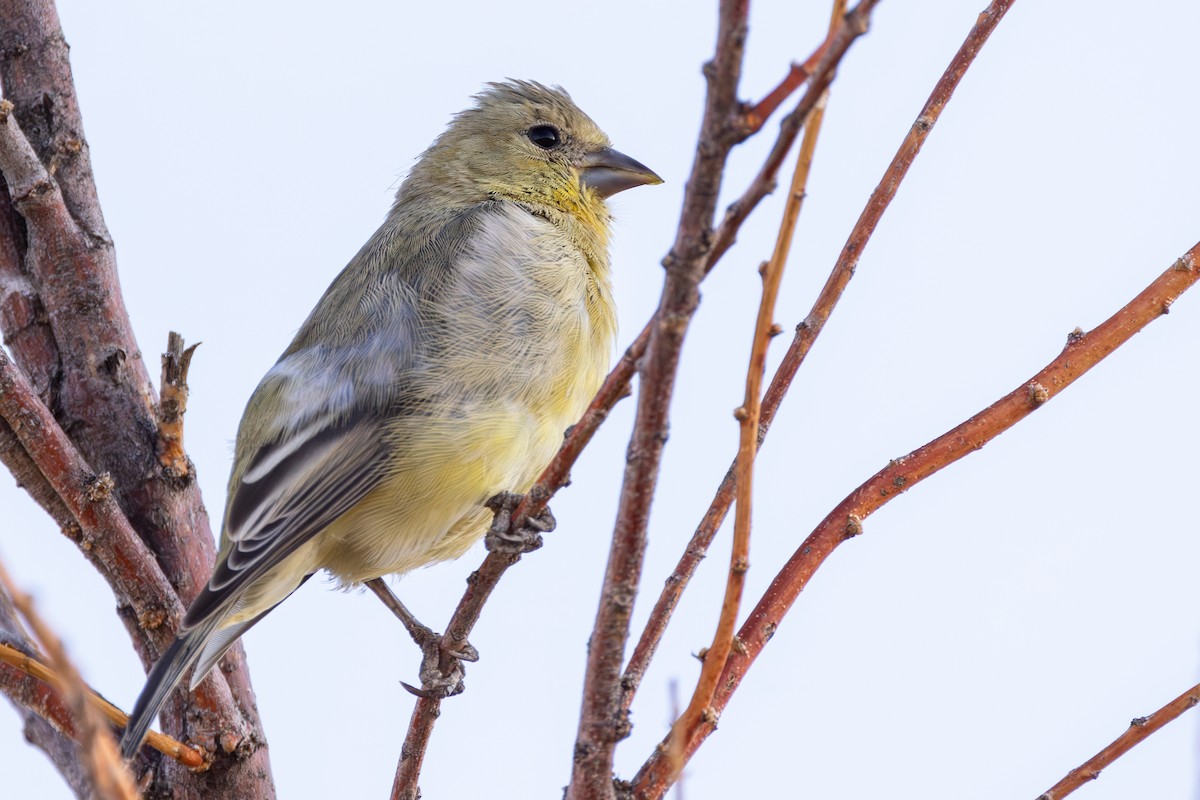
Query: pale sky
point(992, 629)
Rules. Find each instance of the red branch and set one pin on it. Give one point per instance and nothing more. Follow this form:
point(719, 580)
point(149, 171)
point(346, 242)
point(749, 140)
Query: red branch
point(758, 114)
point(807, 332)
point(1082, 352)
point(602, 722)
point(1137, 732)
point(749, 416)
point(601, 725)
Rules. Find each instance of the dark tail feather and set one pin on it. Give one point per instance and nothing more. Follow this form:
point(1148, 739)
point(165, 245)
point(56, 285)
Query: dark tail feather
point(183, 653)
point(166, 674)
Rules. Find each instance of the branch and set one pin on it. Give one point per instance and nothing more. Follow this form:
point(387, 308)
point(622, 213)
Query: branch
point(754, 117)
point(1139, 729)
point(614, 389)
point(748, 416)
point(35, 704)
point(172, 406)
point(92, 373)
point(30, 478)
point(806, 335)
point(601, 725)
point(106, 771)
point(30, 666)
point(106, 537)
point(1082, 352)
point(602, 721)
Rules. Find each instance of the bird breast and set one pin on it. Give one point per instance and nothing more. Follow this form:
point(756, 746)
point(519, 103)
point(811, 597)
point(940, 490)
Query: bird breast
point(520, 336)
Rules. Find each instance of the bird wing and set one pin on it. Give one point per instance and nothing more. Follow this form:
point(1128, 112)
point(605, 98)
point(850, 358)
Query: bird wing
point(302, 474)
point(291, 491)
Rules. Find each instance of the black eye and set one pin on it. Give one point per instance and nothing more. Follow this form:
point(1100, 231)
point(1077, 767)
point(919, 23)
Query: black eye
point(544, 136)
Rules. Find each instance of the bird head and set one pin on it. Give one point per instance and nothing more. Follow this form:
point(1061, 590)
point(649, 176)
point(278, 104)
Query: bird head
point(529, 143)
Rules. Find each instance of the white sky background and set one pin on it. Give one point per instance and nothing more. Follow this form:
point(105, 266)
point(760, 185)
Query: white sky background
point(992, 629)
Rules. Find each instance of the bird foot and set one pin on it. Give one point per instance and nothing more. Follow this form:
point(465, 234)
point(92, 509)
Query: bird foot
point(502, 537)
point(441, 668)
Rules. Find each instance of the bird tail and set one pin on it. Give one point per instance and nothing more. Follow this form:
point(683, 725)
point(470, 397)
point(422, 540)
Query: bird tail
point(163, 678)
point(202, 647)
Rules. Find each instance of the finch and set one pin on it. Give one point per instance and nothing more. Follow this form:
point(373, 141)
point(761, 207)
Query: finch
point(440, 368)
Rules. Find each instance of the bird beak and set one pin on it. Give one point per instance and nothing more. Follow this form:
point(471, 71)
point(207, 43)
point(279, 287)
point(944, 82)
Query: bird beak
point(608, 172)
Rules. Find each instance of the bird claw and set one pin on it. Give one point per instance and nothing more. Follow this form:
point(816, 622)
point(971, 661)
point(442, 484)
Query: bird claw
point(503, 538)
point(465, 652)
point(437, 681)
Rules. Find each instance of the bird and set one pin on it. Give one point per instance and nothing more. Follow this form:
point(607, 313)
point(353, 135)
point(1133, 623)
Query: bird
point(440, 368)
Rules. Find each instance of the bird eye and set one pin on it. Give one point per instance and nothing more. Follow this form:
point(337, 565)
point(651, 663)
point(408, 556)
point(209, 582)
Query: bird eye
point(544, 136)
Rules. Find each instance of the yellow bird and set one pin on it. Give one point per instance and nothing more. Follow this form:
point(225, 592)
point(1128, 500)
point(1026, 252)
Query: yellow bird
point(440, 368)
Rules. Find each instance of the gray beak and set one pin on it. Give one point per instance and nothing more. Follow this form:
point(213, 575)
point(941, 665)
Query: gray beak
point(608, 172)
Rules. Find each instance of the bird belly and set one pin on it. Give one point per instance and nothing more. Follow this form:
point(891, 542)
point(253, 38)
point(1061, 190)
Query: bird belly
point(430, 508)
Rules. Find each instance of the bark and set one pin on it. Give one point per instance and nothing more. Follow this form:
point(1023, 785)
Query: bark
point(65, 323)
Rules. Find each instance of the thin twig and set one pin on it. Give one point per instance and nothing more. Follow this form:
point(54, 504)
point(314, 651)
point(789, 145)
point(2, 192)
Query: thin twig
point(35, 669)
point(1139, 729)
point(757, 115)
point(748, 416)
point(98, 748)
point(806, 334)
point(1082, 352)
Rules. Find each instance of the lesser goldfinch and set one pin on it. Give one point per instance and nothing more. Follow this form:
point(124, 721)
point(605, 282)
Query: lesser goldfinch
point(441, 367)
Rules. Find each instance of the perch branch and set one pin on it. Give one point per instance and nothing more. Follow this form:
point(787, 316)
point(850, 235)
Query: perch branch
point(615, 387)
point(1082, 352)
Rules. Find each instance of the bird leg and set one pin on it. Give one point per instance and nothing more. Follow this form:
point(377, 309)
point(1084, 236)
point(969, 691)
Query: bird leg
point(503, 538)
point(435, 682)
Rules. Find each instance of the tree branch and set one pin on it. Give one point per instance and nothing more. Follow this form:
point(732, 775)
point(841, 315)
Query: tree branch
point(29, 664)
point(602, 721)
point(601, 725)
point(806, 335)
point(37, 706)
point(748, 416)
point(1083, 351)
point(1139, 729)
point(98, 749)
point(95, 379)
